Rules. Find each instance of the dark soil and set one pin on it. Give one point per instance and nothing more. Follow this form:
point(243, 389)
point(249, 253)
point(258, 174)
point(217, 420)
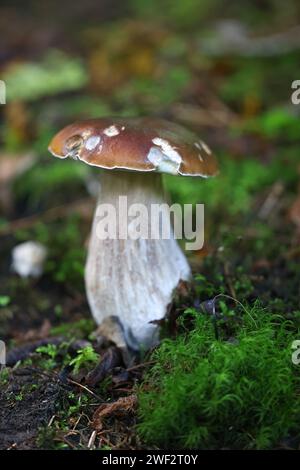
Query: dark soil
point(27, 403)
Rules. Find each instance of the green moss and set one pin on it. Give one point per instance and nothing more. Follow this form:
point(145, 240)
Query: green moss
point(85, 357)
point(54, 74)
point(79, 329)
point(241, 392)
point(276, 123)
point(232, 192)
point(154, 94)
point(50, 356)
point(253, 79)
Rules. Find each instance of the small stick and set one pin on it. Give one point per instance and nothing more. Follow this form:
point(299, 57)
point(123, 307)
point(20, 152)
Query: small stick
point(85, 388)
point(92, 440)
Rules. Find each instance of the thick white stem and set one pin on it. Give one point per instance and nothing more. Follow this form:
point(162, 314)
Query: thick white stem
point(132, 279)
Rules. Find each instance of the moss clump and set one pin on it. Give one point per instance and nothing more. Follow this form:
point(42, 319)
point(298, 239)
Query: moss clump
point(79, 329)
point(236, 393)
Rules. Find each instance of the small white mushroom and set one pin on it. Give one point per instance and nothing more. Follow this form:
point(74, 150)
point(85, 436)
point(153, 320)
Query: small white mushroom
point(28, 259)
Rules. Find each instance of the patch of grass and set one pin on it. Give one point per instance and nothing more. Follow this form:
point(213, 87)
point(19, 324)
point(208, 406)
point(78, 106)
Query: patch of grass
point(238, 392)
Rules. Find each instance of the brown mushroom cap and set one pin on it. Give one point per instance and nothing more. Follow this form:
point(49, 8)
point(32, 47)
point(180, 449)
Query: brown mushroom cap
point(140, 144)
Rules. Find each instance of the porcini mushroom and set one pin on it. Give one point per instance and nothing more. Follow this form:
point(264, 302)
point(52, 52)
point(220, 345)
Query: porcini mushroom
point(133, 279)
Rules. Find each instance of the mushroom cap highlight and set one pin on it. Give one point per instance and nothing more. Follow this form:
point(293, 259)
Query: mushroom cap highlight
point(135, 144)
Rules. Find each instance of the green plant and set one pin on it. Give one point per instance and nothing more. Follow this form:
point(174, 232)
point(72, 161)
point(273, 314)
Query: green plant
point(242, 392)
point(19, 396)
point(4, 376)
point(85, 357)
point(55, 73)
point(51, 351)
point(4, 300)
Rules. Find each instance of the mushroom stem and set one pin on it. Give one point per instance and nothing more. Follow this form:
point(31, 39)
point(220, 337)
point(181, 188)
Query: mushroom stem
point(132, 279)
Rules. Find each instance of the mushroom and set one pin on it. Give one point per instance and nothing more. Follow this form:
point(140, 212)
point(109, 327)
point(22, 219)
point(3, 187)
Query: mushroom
point(133, 279)
point(28, 259)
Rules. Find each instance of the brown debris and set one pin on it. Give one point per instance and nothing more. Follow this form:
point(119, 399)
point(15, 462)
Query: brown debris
point(121, 407)
point(111, 359)
point(294, 213)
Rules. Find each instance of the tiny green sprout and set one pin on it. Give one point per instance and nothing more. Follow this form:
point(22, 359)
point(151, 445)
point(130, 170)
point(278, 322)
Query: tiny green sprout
point(86, 356)
point(4, 376)
point(19, 396)
point(200, 386)
point(49, 349)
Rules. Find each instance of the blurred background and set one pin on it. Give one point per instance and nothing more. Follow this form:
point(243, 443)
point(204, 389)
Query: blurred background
point(222, 68)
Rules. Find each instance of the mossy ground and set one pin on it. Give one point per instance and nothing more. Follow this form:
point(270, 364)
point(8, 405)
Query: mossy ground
point(238, 392)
